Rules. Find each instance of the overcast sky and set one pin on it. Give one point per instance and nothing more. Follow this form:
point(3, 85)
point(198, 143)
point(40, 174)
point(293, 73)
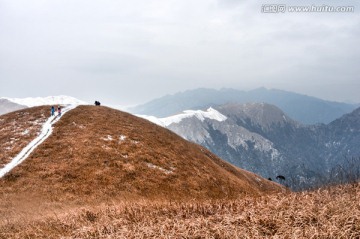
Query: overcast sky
point(129, 52)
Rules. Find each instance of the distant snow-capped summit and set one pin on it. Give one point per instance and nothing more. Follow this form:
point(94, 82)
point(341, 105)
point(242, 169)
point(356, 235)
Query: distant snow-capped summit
point(210, 113)
point(49, 100)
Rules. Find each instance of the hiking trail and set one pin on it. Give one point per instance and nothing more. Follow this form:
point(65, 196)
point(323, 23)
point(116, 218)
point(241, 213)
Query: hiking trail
point(44, 134)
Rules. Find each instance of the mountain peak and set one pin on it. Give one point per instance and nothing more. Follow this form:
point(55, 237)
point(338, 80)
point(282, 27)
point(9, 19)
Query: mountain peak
point(261, 114)
point(348, 122)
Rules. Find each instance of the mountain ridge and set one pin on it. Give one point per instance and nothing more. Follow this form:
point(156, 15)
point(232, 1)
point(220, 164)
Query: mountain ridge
point(305, 109)
point(263, 139)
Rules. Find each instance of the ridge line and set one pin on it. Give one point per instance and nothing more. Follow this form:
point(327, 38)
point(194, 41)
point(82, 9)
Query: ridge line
point(44, 134)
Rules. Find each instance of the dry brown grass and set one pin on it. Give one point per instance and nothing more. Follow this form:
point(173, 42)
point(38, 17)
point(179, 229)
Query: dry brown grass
point(18, 128)
point(326, 213)
point(85, 181)
point(87, 163)
point(85, 160)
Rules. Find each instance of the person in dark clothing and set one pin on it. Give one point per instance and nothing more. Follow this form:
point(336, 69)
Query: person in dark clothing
point(59, 111)
point(52, 110)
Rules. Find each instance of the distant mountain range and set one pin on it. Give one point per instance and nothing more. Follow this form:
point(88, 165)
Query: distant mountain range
point(305, 109)
point(49, 100)
point(11, 104)
point(261, 138)
point(7, 106)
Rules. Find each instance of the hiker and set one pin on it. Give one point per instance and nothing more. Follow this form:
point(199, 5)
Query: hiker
point(52, 110)
point(59, 111)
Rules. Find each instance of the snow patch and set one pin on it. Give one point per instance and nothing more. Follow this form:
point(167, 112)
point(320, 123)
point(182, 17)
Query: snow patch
point(122, 137)
point(150, 165)
point(199, 114)
point(153, 119)
point(105, 147)
point(79, 126)
point(135, 142)
point(108, 138)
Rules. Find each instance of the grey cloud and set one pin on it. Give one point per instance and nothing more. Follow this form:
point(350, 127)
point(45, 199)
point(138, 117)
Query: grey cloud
point(132, 51)
point(110, 63)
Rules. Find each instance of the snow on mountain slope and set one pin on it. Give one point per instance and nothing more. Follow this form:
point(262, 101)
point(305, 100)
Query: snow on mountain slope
point(199, 114)
point(49, 100)
point(198, 132)
point(261, 138)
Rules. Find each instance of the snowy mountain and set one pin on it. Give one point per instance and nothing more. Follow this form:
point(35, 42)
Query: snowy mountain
point(302, 108)
point(198, 114)
point(263, 139)
point(50, 100)
point(7, 106)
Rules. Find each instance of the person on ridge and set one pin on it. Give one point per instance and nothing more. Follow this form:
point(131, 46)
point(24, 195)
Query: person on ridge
point(59, 111)
point(52, 110)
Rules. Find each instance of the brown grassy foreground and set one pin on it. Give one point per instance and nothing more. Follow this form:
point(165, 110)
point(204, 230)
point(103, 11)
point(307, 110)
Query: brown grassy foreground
point(107, 174)
point(325, 213)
